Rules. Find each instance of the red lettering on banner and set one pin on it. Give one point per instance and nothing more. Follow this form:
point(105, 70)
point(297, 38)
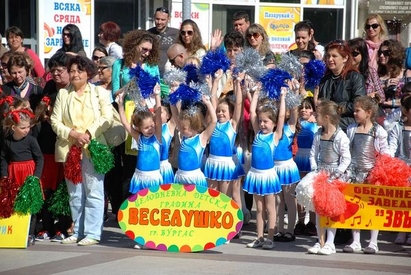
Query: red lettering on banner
point(194, 15)
point(72, 19)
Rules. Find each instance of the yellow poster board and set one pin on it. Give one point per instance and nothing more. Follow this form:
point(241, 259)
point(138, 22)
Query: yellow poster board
point(374, 207)
point(14, 231)
point(180, 218)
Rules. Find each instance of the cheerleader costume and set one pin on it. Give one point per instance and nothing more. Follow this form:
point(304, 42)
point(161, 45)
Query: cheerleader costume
point(147, 172)
point(262, 178)
point(331, 155)
point(238, 158)
point(189, 162)
point(166, 170)
point(220, 165)
point(363, 148)
point(305, 139)
point(285, 166)
point(399, 143)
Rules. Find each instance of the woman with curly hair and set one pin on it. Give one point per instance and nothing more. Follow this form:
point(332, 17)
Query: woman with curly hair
point(375, 33)
point(72, 41)
point(391, 55)
point(257, 38)
point(190, 37)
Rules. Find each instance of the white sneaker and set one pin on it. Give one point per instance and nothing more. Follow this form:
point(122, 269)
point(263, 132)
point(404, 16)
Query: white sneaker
point(256, 243)
point(327, 249)
point(314, 249)
point(268, 244)
point(138, 246)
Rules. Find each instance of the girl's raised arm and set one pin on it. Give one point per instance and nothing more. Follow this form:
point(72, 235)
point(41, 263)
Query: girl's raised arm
point(206, 134)
point(238, 108)
point(214, 87)
point(281, 116)
point(253, 112)
point(157, 107)
point(135, 134)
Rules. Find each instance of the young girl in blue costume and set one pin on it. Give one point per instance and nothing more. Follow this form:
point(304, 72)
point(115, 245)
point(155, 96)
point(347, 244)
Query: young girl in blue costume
point(288, 176)
point(167, 132)
point(146, 130)
point(305, 137)
point(262, 180)
point(330, 152)
point(194, 139)
point(219, 168)
point(366, 138)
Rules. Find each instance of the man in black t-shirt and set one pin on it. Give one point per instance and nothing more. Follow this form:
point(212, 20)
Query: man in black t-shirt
point(166, 35)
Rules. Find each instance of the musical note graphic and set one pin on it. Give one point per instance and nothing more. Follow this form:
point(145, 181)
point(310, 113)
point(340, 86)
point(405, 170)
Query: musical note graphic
point(356, 199)
point(369, 223)
point(356, 218)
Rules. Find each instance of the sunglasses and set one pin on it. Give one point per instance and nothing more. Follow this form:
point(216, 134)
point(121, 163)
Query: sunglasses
point(144, 50)
point(174, 59)
point(384, 53)
point(95, 57)
point(374, 26)
point(3, 64)
point(102, 68)
point(189, 33)
point(162, 9)
point(67, 34)
point(355, 54)
point(256, 35)
point(335, 43)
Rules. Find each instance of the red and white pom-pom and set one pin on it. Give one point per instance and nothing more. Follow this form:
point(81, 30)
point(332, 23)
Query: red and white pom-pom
point(328, 196)
point(305, 191)
point(72, 169)
point(389, 171)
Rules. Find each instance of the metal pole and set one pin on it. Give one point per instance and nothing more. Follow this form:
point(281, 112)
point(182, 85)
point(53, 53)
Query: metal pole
point(186, 9)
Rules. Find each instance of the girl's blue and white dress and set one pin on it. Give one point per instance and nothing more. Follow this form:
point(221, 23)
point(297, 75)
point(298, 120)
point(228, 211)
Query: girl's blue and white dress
point(238, 158)
point(220, 165)
point(147, 171)
point(166, 170)
point(262, 178)
point(189, 162)
point(305, 139)
point(285, 166)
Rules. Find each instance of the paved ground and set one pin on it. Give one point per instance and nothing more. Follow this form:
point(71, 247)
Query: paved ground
point(115, 255)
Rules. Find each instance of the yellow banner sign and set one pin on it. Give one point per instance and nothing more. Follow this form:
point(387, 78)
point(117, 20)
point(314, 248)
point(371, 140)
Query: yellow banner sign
point(374, 207)
point(180, 218)
point(14, 231)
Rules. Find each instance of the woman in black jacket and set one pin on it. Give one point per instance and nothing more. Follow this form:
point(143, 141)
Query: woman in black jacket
point(342, 83)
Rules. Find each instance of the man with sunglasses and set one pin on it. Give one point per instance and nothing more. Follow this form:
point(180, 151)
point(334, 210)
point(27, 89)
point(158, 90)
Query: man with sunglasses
point(166, 35)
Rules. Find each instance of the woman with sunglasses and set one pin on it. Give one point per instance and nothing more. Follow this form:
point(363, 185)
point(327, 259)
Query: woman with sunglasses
point(72, 41)
point(342, 83)
point(359, 52)
point(375, 32)
point(391, 71)
point(257, 38)
point(98, 54)
point(190, 37)
point(15, 39)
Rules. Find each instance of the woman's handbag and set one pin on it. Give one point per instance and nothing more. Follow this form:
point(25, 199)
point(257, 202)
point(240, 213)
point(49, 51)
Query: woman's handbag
point(116, 134)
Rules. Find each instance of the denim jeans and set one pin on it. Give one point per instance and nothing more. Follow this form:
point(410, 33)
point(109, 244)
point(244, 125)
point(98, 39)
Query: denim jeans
point(87, 202)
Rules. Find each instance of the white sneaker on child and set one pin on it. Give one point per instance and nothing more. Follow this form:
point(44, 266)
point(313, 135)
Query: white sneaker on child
point(327, 249)
point(256, 243)
point(353, 247)
point(314, 249)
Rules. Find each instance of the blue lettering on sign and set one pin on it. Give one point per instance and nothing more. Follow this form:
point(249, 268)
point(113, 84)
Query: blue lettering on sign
point(66, 7)
point(59, 30)
point(52, 42)
point(6, 229)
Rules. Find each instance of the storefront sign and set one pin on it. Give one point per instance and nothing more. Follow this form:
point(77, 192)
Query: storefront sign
point(14, 231)
point(180, 218)
point(279, 24)
point(54, 15)
point(389, 7)
point(374, 207)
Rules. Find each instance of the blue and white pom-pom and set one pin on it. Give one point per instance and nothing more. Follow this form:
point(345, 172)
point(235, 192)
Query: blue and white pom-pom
point(273, 81)
point(313, 72)
point(201, 87)
point(174, 75)
point(192, 73)
point(292, 100)
point(186, 94)
point(145, 81)
point(214, 61)
point(290, 64)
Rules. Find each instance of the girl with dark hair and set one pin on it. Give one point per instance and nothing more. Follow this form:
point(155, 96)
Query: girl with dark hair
point(359, 52)
point(304, 40)
point(72, 41)
point(190, 37)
